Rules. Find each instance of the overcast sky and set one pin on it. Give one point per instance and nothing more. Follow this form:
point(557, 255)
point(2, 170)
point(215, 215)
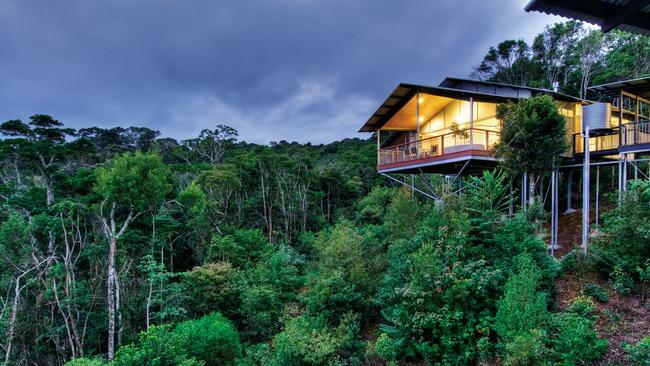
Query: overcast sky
point(295, 70)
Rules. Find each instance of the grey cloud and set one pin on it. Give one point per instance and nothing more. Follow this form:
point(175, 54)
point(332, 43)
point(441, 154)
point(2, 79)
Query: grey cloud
point(305, 70)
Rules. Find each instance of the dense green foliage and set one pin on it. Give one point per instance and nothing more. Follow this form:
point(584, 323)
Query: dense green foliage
point(211, 251)
point(569, 55)
point(533, 135)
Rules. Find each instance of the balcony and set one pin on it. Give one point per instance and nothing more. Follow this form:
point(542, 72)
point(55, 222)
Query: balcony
point(438, 151)
point(633, 137)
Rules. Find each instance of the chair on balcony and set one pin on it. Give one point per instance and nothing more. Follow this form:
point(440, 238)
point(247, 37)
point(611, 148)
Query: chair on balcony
point(412, 153)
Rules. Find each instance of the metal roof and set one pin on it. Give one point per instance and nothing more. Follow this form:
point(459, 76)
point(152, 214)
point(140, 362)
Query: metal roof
point(629, 15)
point(640, 87)
point(479, 85)
point(456, 88)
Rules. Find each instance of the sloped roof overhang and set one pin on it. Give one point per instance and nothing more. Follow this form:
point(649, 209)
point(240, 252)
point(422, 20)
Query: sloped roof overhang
point(404, 92)
point(640, 87)
point(628, 15)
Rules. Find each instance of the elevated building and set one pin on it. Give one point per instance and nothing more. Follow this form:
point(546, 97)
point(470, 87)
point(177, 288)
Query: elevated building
point(453, 126)
point(451, 129)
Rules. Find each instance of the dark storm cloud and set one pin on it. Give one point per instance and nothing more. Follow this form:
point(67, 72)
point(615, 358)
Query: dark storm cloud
point(305, 70)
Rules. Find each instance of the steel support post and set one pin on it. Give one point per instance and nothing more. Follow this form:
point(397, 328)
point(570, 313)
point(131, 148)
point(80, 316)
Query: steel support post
point(585, 194)
point(553, 211)
point(624, 172)
point(471, 123)
point(597, 192)
point(620, 178)
point(569, 188)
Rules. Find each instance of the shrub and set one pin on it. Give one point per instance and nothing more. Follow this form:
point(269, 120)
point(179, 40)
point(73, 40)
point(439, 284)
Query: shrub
point(521, 316)
point(371, 209)
point(621, 281)
point(82, 361)
point(522, 308)
point(341, 249)
point(311, 341)
point(582, 305)
point(436, 298)
point(211, 287)
point(639, 354)
point(484, 349)
point(331, 295)
point(157, 346)
point(259, 310)
point(576, 341)
point(264, 291)
point(242, 248)
point(386, 348)
point(596, 292)
point(526, 348)
point(626, 231)
point(210, 340)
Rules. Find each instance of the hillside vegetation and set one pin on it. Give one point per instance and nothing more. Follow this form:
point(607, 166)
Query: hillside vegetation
point(120, 247)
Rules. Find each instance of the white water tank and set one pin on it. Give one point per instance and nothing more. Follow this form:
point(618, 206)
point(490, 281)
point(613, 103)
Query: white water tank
point(596, 116)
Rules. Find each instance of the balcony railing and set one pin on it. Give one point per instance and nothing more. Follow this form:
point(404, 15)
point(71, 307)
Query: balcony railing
point(631, 134)
point(474, 139)
point(636, 133)
point(596, 143)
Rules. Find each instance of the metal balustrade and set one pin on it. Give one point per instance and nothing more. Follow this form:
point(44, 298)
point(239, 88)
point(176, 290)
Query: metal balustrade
point(630, 134)
point(474, 139)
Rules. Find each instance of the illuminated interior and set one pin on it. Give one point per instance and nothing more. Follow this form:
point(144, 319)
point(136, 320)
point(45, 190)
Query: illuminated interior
point(427, 125)
point(435, 125)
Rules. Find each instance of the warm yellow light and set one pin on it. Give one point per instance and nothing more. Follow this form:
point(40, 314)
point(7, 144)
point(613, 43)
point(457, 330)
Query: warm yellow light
point(421, 119)
point(420, 100)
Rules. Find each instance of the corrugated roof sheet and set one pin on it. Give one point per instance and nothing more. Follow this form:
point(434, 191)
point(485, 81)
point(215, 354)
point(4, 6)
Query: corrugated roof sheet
point(628, 15)
point(640, 86)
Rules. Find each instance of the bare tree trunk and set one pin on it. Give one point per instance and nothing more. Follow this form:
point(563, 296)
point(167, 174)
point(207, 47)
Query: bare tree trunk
point(148, 306)
point(118, 312)
point(14, 309)
point(110, 283)
point(531, 190)
point(48, 191)
point(12, 320)
point(66, 320)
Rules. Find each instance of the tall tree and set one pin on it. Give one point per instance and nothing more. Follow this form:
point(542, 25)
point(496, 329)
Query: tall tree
point(212, 144)
point(131, 184)
point(554, 48)
point(590, 51)
point(47, 146)
point(509, 62)
point(533, 136)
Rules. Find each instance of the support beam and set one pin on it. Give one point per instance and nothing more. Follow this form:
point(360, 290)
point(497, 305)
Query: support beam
point(554, 221)
point(557, 206)
point(597, 192)
point(417, 125)
point(471, 123)
point(620, 178)
point(625, 172)
point(379, 146)
point(410, 187)
point(585, 194)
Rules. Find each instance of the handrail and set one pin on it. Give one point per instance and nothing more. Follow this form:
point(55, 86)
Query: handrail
point(468, 139)
point(467, 130)
point(625, 134)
